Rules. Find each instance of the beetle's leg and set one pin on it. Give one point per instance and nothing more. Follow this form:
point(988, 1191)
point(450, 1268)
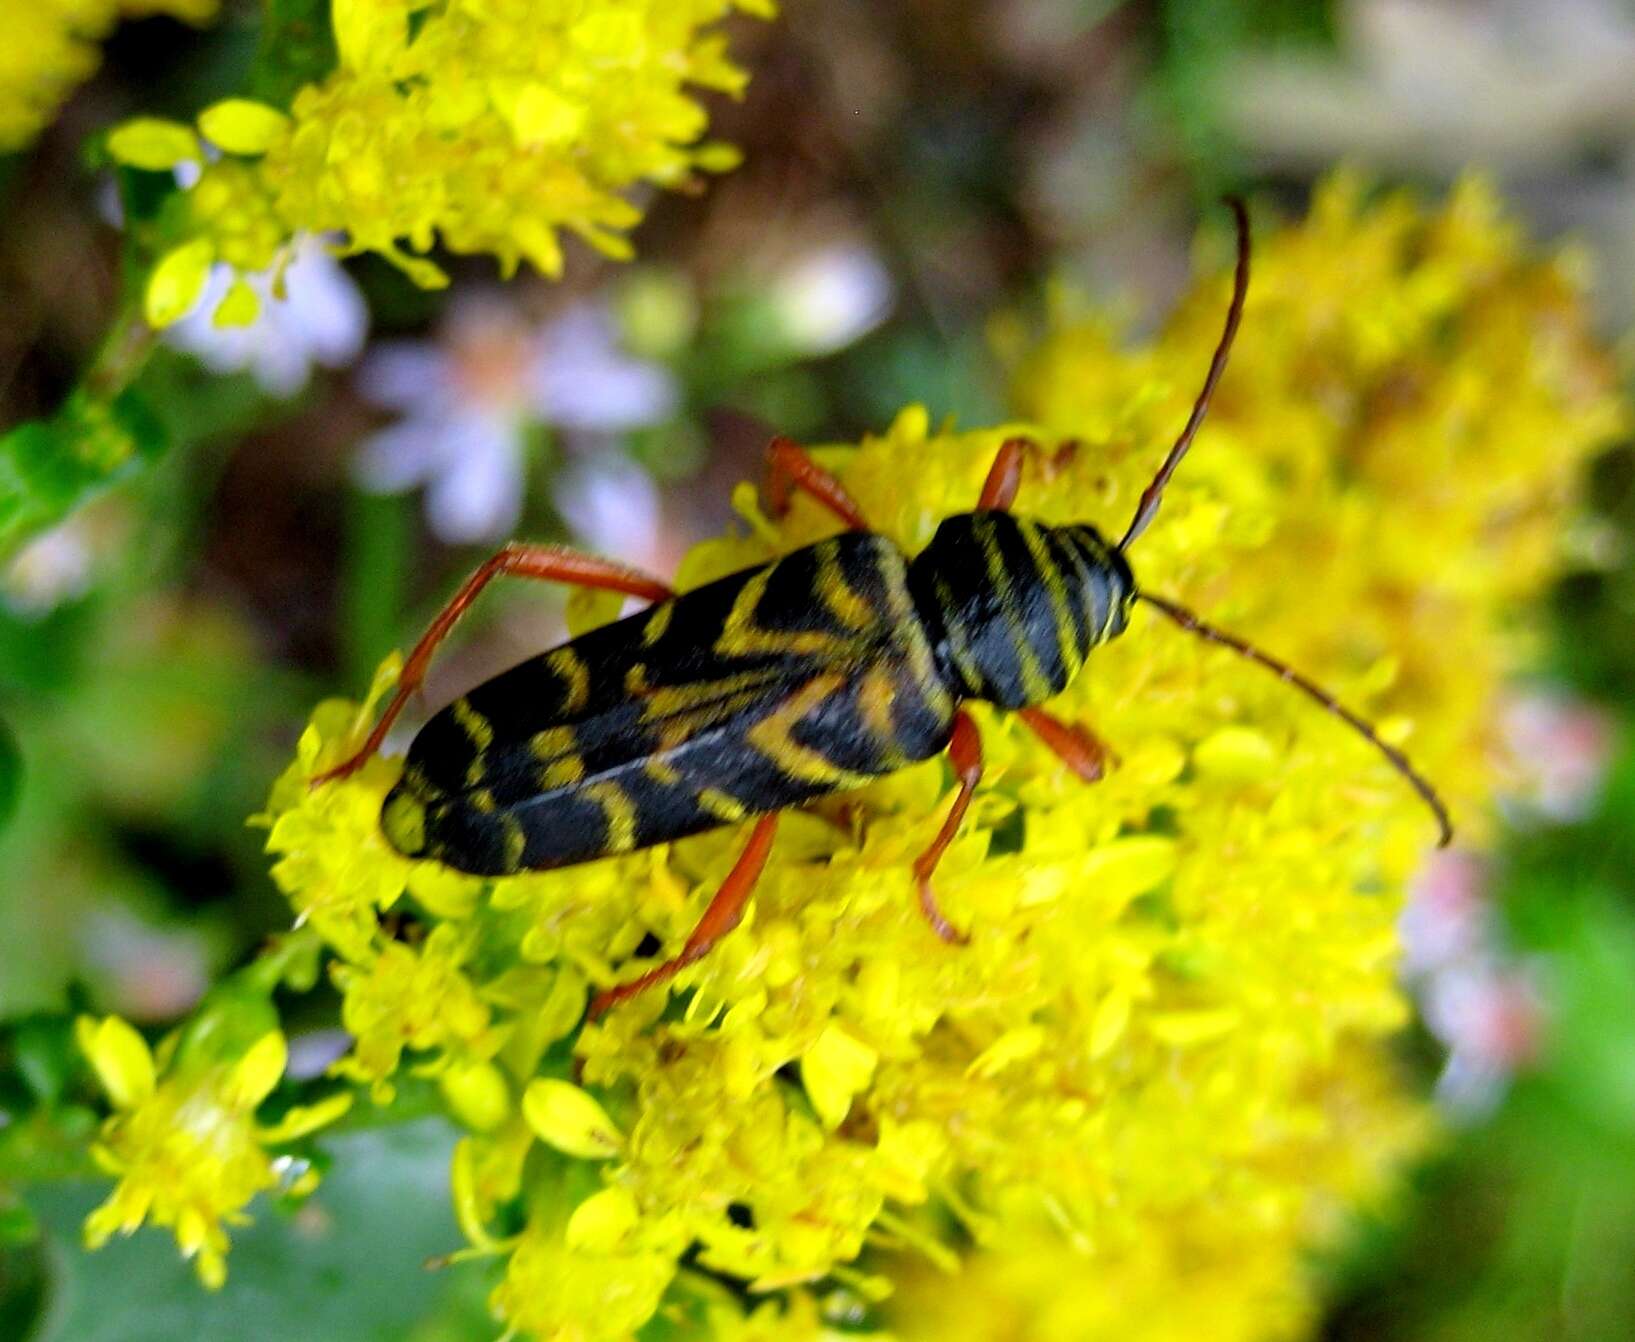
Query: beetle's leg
point(1005, 475)
point(553, 563)
point(788, 468)
point(1077, 746)
point(965, 754)
point(723, 914)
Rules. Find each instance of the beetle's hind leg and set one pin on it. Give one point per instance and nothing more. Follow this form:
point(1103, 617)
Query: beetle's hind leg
point(1085, 753)
point(725, 912)
point(965, 754)
point(550, 563)
point(789, 467)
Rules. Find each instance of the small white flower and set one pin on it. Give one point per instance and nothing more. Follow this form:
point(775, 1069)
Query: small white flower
point(320, 318)
point(469, 399)
point(52, 568)
point(831, 297)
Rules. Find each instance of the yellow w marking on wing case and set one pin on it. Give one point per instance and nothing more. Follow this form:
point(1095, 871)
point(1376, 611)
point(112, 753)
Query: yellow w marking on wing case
point(742, 637)
point(773, 737)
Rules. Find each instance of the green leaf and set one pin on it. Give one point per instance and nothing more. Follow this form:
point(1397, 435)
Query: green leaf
point(297, 47)
point(50, 467)
point(45, 1055)
point(18, 1224)
point(23, 1285)
point(11, 773)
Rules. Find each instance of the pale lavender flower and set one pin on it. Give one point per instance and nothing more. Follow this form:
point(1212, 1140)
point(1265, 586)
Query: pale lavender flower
point(1561, 746)
point(613, 507)
point(315, 317)
point(469, 398)
point(1486, 1005)
point(831, 297)
point(1490, 1012)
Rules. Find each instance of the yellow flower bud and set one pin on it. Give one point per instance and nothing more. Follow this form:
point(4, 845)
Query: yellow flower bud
point(477, 1094)
point(153, 144)
point(571, 1120)
point(242, 126)
point(601, 1221)
point(178, 281)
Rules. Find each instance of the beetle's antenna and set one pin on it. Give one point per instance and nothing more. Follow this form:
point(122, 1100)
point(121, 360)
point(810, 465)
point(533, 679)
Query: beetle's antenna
point(1190, 622)
point(1147, 509)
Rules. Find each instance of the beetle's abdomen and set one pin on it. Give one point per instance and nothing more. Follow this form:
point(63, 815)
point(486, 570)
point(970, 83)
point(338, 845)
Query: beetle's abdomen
point(759, 691)
point(1014, 607)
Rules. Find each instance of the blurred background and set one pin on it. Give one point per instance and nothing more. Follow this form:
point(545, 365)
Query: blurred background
point(911, 169)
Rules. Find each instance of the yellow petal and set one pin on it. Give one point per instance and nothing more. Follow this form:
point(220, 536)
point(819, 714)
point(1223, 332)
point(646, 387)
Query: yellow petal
point(257, 1072)
point(240, 307)
point(153, 144)
point(478, 1095)
point(601, 1221)
point(1183, 1028)
point(305, 1118)
point(714, 156)
point(1235, 752)
point(463, 1194)
point(121, 1058)
point(538, 114)
point(1012, 1046)
point(1108, 1023)
point(444, 891)
point(570, 1120)
point(834, 1069)
point(370, 34)
point(1119, 871)
point(241, 126)
point(178, 281)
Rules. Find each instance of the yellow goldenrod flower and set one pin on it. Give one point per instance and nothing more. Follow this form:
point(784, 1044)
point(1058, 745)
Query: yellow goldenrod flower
point(413, 997)
point(183, 1141)
point(49, 49)
point(1165, 1050)
point(488, 127)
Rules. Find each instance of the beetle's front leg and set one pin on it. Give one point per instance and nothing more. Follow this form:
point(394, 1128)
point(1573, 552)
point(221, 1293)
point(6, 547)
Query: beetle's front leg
point(725, 912)
point(965, 754)
point(551, 563)
point(1085, 753)
point(789, 467)
point(1004, 478)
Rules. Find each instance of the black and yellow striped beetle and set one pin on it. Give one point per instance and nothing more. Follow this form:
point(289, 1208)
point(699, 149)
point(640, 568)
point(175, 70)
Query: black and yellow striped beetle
point(813, 673)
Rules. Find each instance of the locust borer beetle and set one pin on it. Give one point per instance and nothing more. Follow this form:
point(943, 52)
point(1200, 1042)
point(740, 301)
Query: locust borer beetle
point(816, 672)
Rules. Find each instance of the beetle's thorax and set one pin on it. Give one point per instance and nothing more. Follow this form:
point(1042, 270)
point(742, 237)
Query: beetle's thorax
point(1013, 606)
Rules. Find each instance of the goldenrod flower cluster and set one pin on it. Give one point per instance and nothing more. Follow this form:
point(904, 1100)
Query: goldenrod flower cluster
point(49, 48)
point(184, 1145)
point(488, 127)
point(1161, 1067)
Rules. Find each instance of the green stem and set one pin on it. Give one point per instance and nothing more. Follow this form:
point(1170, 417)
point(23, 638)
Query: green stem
point(123, 355)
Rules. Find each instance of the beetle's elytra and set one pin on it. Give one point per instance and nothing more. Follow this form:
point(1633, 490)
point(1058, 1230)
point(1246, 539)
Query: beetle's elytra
point(817, 672)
